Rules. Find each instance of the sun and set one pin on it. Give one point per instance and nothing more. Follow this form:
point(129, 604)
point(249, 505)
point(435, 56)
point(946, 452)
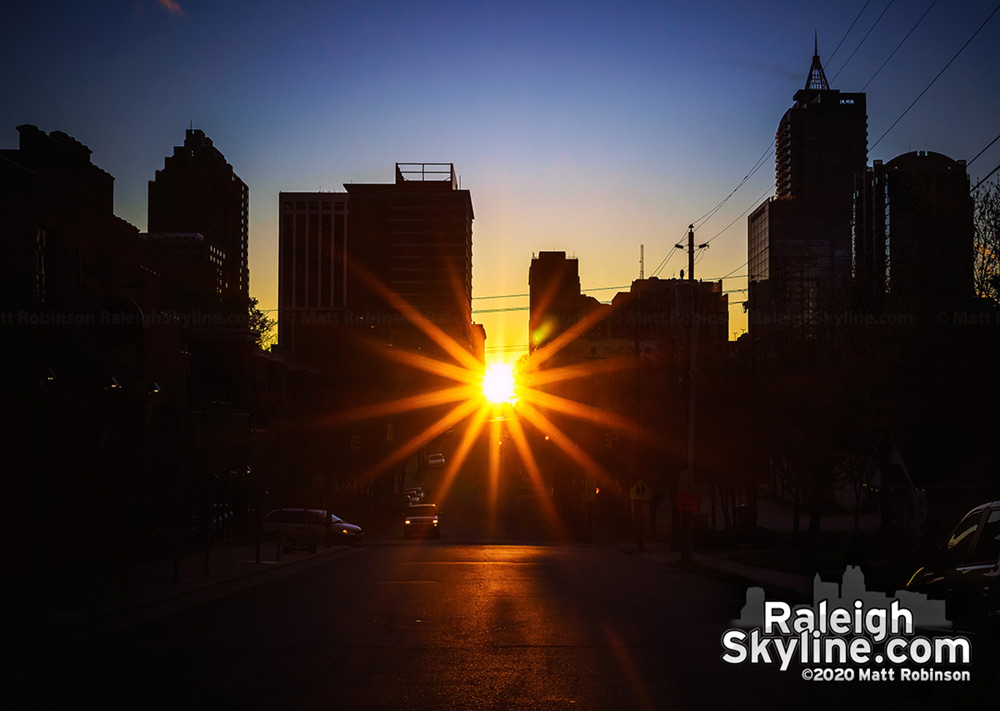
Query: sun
point(498, 383)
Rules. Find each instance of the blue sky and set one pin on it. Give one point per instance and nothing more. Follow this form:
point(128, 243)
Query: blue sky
point(592, 128)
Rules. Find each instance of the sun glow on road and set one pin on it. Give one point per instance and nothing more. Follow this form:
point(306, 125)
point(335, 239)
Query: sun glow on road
point(499, 385)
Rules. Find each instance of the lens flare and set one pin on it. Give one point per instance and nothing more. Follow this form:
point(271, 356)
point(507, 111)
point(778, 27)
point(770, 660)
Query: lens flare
point(499, 385)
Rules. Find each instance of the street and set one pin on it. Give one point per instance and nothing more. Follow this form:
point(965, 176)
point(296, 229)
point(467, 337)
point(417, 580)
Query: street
point(477, 619)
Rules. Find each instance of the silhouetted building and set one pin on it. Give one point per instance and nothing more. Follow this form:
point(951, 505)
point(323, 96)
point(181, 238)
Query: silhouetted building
point(654, 320)
point(191, 266)
point(913, 238)
point(799, 241)
point(92, 378)
point(555, 301)
point(354, 267)
point(312, 271)
point(71, 268)
point(346, 258)
point(198, 191)
point(415, 237)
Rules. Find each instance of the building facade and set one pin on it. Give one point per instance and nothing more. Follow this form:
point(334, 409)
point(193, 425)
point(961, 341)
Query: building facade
point(197, 191)
point(913, 235)
point(554, 301)
point(361, 262)
point(799, 241)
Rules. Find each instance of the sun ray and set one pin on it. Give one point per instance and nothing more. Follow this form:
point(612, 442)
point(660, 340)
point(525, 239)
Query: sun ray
point(582, 412)
point(448, 420)
point(545, 376)
point(560, 438)
point(461, 453)
point(432, 365)
point(535, 474)
point(410, 403)
point(542, 354)
point(495, 469)
point(446, 342)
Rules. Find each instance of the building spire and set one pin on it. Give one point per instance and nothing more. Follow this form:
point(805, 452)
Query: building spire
point(817, 78)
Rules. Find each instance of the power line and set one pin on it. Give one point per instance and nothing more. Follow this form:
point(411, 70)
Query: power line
point(983, 151)
point(893, 53)
point(739, 217)
point(967, 43)
point(863, 8)
point(870, 29)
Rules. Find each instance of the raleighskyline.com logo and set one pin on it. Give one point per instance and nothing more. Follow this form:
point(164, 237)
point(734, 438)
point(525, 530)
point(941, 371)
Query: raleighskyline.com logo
point(850, 634)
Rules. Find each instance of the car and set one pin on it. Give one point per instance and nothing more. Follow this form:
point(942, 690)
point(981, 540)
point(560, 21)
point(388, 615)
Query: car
point(310, 528)
point(435, 460)
point(964, 572)
point(415, 493)
point(422, 520)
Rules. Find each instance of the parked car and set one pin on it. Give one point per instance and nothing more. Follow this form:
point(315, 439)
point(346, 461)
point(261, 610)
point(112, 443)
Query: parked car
point(422, 520)
point(310, 528)
point(964, 572)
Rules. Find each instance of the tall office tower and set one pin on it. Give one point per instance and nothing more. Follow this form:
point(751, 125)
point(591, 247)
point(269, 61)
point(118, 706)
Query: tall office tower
point(197, 191)
point(312, 267)
point(344, 258)
point(913, 239)
point(414, 236)
point(799, 241)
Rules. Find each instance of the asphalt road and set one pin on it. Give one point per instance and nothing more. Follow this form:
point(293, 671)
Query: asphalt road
point(500, 613)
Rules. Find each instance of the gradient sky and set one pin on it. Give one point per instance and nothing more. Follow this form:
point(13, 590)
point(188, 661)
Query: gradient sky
point(592, 128)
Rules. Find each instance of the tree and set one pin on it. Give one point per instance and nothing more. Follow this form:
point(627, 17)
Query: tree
point(262, 324)
point(986, 273)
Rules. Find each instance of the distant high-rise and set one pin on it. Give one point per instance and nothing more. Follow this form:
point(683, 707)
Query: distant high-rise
point(913, 240)
point(554, 296)
point(312, 268)
point(799, 242)
point(341, 254)
point(197, 191)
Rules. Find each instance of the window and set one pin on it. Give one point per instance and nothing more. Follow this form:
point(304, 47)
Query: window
point(958, 549)
point(988, 546)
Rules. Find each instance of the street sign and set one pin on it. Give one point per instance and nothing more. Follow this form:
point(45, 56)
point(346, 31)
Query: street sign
point(640, 492)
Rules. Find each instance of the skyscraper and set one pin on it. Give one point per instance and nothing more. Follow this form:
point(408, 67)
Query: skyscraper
point(799, 241)
point(913, 240)
point(312, 269)
point(554, 297)
point(197, 191)
point(345, 256)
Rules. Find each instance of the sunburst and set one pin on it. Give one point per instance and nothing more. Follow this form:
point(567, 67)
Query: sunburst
point(501, 395)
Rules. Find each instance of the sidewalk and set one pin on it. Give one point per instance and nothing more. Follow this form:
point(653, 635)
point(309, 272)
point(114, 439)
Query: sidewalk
point(156, 589)
point(776, 583)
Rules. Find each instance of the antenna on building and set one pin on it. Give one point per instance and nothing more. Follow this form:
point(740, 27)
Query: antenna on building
point(642, 261)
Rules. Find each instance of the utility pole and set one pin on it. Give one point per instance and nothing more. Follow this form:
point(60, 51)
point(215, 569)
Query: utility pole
point(687, 493)
point(690, 252)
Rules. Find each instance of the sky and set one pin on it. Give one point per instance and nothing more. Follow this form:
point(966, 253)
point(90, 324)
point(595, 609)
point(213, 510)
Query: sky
point(591, 128)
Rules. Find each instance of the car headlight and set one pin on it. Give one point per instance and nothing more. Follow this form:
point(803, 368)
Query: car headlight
point(407, 522)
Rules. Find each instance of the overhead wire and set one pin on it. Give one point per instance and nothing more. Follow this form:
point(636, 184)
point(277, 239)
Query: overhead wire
point(937, 76)
point(893, 53)
point(837, 48)
point(870, 30)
